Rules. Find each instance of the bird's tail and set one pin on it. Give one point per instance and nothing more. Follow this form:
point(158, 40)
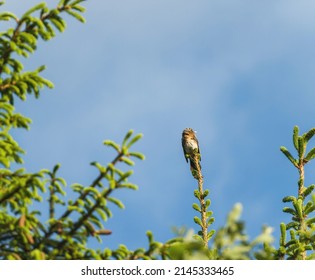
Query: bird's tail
point(195, 167)
point(193, 163)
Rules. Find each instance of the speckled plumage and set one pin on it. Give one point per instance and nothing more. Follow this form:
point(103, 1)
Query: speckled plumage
point(190, 146)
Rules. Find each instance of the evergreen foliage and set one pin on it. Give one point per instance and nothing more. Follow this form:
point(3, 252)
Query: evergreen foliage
point(301, 228)
point(24, 235)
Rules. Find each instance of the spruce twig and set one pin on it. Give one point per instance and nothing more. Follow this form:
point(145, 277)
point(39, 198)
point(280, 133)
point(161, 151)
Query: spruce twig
point(301, 227)
point(205, 215)
point(203, 207)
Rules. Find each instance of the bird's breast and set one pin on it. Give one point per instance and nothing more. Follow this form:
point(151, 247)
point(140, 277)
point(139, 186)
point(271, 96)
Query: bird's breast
point(191, 145)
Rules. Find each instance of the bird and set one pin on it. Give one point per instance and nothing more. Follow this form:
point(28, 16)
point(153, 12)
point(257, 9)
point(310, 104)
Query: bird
point(191, 148)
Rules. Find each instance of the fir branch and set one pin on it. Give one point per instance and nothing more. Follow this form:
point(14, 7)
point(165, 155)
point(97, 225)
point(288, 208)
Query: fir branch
point(206, 218)
point(300, 227)
point(203, 208)
point(67, 213)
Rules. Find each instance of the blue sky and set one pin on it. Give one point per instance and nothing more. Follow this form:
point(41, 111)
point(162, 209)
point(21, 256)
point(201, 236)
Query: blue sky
point(241, 73)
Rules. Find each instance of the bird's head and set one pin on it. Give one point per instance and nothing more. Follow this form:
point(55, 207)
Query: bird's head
point(188, 132)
